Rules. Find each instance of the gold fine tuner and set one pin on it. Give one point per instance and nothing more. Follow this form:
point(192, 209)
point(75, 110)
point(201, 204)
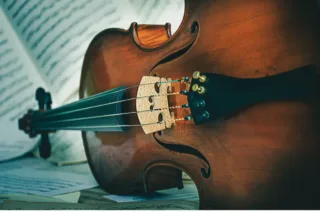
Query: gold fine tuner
point(199, 89)
point(197, 75)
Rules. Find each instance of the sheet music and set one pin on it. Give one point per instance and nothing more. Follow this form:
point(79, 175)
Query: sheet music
point(28, 198)
point(35, 176)
point(13, 143)
point(58, 32)
point(18, 76)
point(153, 205)
point(189, 192)
point(69, 198)
point(94, 196)
point(18, 82)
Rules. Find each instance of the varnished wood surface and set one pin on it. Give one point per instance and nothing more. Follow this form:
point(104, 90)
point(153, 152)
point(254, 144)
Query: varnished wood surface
point(264, 157)
point(152, 35)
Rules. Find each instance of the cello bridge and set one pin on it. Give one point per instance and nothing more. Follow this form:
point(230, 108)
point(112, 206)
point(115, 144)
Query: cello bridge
point(152, 104)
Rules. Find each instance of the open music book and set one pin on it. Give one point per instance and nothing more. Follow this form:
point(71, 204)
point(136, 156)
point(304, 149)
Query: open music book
point(42, 44)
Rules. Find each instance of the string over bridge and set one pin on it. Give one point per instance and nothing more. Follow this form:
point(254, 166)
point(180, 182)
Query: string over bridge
point(157, 89)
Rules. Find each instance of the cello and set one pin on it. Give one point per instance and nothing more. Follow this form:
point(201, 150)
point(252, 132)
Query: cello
point(231, 99)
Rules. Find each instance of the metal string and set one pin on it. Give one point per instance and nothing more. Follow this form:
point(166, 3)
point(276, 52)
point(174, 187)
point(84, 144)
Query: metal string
point(43, 116)
point(127, 88)
point(85, 108)
point(97, 127)
point(104, 116)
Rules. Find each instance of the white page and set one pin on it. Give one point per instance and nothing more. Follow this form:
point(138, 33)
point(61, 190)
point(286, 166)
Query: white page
point(35, 176)
point(18, 76)
point(58, 32)
point(13, 143)
point(18, 82)
point(69, 197)
point(151, 205)
point(29, 198)
point(159, 12)
point(189, 192)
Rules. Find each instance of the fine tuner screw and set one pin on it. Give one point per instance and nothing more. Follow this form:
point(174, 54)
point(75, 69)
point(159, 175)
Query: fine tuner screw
point(197, 75)
point(200, 89)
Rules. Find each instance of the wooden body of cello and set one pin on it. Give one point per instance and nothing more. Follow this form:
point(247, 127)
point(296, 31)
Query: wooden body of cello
point(263, 157)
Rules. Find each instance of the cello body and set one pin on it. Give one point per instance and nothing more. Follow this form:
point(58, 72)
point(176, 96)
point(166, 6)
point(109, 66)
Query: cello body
point(260, 158)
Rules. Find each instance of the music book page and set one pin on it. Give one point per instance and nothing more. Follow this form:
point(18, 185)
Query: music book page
point(189, 192)
point(18, 75)
point(22, 144)
point(57, 34)
point(151, 205)
point(18, 82)
point(38, 177)
point(43, 45)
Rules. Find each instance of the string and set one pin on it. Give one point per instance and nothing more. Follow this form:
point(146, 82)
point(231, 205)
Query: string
point(100, 105)
point(96, 127)
point(127, 88)
point(104, 116)
point(43, 115)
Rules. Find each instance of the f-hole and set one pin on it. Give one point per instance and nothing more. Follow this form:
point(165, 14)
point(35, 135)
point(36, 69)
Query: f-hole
point(194, 27)
point(187, 150)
